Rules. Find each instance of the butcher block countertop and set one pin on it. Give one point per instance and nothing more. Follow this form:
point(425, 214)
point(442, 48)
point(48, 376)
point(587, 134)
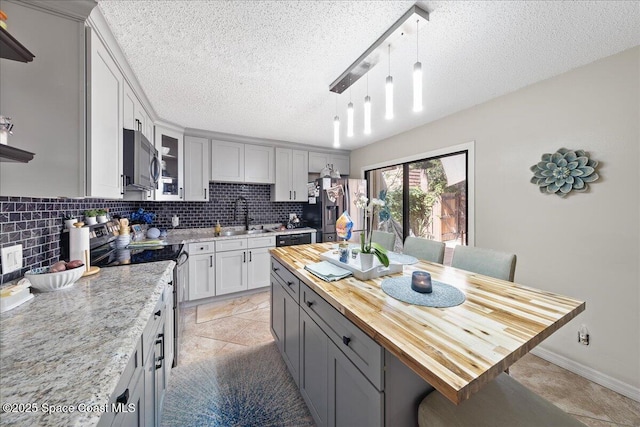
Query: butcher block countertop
point(458, 349)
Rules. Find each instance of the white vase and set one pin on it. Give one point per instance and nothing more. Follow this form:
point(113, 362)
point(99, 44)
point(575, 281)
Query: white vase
point(68, 223)
point(90, 220)
point(102, 219)
point(366, 261)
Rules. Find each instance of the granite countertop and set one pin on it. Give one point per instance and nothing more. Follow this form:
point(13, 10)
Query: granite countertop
point(71, 346)
point(195, 235)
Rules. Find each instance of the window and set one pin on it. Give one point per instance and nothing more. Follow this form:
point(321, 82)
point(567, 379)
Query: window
point(427, 198)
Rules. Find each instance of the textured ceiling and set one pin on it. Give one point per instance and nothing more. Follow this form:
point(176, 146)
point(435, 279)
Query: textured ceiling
point(263, 68)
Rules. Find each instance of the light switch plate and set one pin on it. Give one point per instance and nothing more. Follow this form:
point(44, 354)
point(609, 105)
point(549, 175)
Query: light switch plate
point(11, 258)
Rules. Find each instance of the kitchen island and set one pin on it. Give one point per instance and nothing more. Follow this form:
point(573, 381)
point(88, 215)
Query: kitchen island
point(456, 350)
point(70, 347)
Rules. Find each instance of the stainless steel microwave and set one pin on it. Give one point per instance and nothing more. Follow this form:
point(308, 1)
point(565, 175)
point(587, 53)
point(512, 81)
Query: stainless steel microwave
point(141, 166)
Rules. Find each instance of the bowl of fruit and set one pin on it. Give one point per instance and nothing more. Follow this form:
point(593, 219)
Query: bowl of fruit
point(58, 276)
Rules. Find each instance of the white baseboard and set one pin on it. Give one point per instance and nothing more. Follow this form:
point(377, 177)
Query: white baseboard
point(591, 374)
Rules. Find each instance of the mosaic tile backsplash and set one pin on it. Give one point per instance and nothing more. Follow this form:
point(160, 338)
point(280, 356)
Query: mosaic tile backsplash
point(37, 223)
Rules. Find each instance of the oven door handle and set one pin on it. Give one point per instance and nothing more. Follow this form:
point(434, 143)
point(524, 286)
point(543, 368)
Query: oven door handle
point(182, 258)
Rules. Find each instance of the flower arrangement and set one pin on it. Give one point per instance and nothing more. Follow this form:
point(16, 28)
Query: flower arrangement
point(142, 217)
point(368, 213)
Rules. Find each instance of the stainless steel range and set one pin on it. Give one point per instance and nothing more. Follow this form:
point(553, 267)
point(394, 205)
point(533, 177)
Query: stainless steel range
point(103, 253)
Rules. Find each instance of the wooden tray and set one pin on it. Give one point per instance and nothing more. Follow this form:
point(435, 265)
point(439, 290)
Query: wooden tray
point(353, 265)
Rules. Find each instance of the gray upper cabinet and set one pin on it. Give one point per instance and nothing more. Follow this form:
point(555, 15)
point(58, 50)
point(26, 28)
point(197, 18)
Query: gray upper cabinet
point(196, 170)
point(317, 161)
point(45, 98)
point(227, 161)
point(292, 174)
point(259, 164)
point(105, 116)
point(237, 162)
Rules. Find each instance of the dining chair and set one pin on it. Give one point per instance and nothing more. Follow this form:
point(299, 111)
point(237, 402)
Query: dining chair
point(428, 250)
point(492, 263)
point(384, 239)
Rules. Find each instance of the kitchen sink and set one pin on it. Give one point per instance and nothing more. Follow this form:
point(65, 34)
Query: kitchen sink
point(258, 231)
point(242, 232)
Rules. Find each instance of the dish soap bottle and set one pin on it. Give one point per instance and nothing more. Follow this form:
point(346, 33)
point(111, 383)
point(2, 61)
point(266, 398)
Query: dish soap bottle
point(218, 228)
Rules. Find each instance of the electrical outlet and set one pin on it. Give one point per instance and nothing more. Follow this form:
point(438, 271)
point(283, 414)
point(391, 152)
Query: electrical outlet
point(175, 221)
point(583, 335)
point(11, 258)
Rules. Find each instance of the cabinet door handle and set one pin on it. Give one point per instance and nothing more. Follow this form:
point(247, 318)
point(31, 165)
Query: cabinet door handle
point(346, 340)
point(309, 303)
point(210, 260)
point(123, 398)
point(289, 194)
point(250, 256)
point(181, 192)
point(159, 360)
point(275, 269)
point(294, 195)
point(157, 314)
point(291, 284)
point(244, 257)
point(205, 194)
point(122, 178)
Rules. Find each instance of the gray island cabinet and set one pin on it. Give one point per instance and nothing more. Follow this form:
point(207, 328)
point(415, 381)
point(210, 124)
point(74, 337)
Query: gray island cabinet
point(344, 376)
point(366, 359)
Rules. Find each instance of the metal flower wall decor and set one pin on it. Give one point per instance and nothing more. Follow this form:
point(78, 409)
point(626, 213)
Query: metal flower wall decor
point(564, 171)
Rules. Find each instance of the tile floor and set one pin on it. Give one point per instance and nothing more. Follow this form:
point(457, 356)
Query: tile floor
point(227, 326)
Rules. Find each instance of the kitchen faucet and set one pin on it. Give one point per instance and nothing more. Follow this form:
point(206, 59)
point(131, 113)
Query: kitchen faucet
point(246, 211)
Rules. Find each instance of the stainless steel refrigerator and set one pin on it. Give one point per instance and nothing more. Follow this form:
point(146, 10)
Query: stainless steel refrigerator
point(331, 198)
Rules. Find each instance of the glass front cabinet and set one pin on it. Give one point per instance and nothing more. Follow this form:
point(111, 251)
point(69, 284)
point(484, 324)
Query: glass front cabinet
point(170, 146)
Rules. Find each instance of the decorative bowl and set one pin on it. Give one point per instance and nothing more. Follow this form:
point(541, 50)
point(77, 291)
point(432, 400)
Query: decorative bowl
point(165, 150)
point(44, 281)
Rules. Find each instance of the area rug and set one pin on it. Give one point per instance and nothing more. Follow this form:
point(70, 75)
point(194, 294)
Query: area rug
point(246, 388)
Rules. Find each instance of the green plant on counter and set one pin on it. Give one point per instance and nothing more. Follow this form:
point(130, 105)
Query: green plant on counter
point(90, 213)
point(368, 212)
point(101, 212)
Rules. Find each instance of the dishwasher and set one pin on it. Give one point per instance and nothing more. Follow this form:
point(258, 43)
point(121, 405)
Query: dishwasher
point(293, 239)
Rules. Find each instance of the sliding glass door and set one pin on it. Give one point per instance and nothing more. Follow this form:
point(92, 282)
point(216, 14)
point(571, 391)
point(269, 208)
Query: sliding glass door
point(425, 198)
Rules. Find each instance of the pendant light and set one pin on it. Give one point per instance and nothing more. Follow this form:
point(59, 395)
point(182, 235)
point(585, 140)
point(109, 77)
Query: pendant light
point(350, 114)
point(367, 110)
point(336, 127)
point(389, 92)
point(417, 78)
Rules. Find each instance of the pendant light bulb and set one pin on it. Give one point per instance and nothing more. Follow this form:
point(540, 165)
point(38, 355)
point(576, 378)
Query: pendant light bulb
point(389, 98)
point(417, 77)
point(367, 115)
point(389, 92)
point(336, 132)
point(417, 87)
point(350, 119)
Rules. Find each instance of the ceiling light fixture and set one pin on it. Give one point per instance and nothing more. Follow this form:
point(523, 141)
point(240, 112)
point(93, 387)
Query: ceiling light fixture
point(417, 78)
point(350, 116)
point(388, 90)
point(336, 127)
point(373, 55)
point(367, 111)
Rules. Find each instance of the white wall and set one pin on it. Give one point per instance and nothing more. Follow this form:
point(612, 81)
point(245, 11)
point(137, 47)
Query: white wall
point(585, 246)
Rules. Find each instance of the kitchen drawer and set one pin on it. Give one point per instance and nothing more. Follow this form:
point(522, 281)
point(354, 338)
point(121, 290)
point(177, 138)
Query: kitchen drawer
point(131, 372)
point(201, 248)
point(362, 350)
point(289, 282)
point(150, 331)
point(292, 287)
point(231, 245)
point(262, 242)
